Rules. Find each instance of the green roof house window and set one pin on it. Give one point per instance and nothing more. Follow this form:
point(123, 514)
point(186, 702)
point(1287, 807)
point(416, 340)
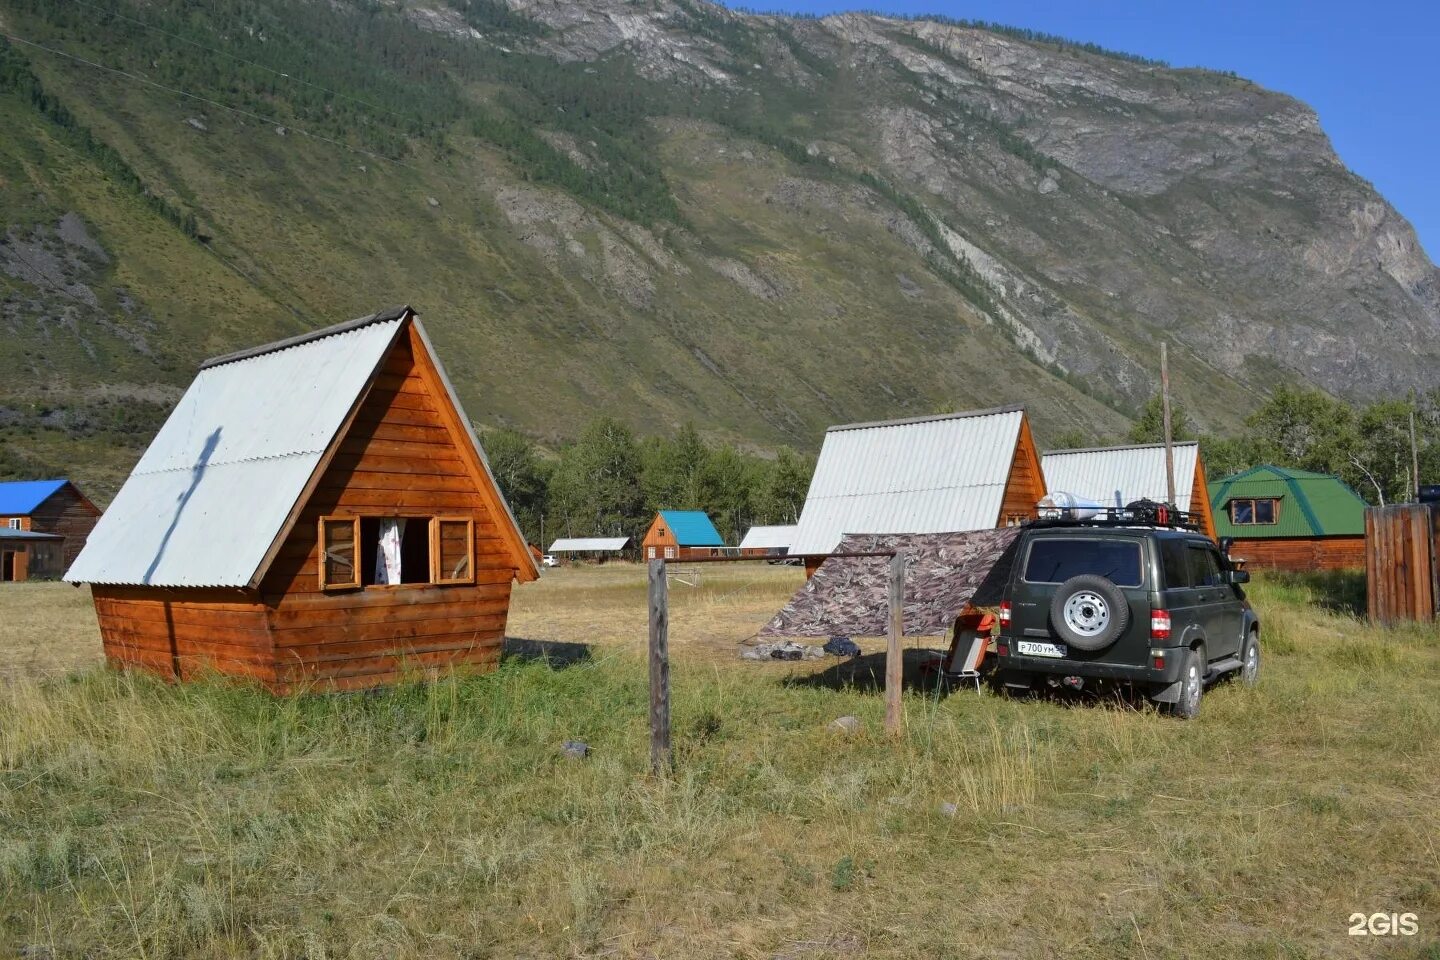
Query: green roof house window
point(1258, 512)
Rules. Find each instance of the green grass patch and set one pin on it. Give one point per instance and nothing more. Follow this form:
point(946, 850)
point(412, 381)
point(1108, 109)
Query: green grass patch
point(139, 818)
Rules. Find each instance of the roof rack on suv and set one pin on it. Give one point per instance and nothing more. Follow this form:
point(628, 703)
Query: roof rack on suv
point(1141, 513)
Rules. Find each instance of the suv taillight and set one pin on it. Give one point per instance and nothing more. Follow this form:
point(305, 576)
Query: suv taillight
point(1004, 614)
point(1159, 624)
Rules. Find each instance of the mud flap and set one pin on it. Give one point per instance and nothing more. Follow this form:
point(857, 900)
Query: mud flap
point(1170, 693)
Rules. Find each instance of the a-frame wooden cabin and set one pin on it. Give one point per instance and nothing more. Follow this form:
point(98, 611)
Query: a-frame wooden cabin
point(1116, 476)
point(974, 470)
point(314, 511)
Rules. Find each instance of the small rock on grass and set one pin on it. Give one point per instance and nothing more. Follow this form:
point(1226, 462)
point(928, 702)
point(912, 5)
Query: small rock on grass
point(948, 809)
point(575, 749)
point(846, 724)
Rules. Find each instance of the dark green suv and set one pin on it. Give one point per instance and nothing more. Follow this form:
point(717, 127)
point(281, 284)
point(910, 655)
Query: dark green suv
point(1116, 600)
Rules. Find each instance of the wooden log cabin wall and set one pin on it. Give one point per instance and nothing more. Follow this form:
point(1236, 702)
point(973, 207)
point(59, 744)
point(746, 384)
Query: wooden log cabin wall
point(395, 554)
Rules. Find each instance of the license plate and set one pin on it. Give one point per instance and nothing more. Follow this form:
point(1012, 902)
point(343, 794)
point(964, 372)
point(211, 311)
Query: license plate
point(1034, 648)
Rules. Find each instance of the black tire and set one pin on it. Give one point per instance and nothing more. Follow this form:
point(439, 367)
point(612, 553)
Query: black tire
point(1192, 686)
point(1249, 671)
point(1089, 612)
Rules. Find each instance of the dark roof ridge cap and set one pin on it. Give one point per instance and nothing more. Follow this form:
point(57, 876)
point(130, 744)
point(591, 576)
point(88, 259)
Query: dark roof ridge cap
point(382, 316)
point(1124, 446)
point(906, 421)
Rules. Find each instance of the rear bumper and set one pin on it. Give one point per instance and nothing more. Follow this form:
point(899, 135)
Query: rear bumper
point(1144, 673)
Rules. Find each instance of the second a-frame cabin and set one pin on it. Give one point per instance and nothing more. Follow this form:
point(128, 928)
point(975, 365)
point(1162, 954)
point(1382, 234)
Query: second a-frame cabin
point(314, 511)
point(975, 470)
point(1116, 476)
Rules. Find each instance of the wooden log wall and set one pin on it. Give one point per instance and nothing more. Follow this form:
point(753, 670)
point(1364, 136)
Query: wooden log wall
point(180, 634)
point(1300, 554)
point(69, 515)
point(1401, 571)
point(1026, 482)
point(399, 458)
point(1200, 499)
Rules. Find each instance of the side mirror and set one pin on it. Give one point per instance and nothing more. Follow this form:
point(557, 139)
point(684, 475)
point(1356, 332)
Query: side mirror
point(1236, 577)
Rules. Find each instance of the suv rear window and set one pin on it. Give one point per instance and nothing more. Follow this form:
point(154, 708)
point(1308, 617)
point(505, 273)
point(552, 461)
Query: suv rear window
point(1057, 560)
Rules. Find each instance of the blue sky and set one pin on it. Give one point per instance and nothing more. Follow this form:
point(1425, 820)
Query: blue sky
point(1371, 71)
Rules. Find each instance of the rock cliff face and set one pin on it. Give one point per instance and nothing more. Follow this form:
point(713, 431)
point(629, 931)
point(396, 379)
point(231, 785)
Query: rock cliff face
point(1157, 201)
point(837, 218)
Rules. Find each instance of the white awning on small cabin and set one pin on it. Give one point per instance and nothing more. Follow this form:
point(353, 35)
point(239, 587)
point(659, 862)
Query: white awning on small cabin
point(589, 545)
point(1115, 476)
point(216, 485)
point(768, 538)
point(938, 474)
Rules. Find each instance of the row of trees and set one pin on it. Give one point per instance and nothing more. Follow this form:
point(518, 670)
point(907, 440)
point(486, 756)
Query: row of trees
point(1369, 445)
point(608, 482)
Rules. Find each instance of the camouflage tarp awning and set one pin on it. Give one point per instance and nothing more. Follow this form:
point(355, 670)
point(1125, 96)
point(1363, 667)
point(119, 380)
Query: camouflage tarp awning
point(943, 572)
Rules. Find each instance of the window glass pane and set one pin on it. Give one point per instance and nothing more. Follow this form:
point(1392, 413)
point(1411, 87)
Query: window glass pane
point(454, 550)
point(339, 547)
point(1175, 558)
point(1204, 567)
point(1055, 561)
point(1242, 511)
point(1264, 511)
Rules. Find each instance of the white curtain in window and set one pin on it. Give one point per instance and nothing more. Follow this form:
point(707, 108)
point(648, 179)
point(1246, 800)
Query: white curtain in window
point(387, 553)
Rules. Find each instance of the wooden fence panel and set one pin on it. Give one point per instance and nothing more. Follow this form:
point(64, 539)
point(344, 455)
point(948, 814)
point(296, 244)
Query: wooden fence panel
point(1402, 579)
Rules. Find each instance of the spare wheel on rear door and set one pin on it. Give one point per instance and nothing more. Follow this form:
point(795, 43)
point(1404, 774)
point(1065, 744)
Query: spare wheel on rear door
point(1089, 612)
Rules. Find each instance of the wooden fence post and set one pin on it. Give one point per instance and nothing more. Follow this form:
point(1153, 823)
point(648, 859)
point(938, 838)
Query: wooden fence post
point(894, 656)
point(660, 757)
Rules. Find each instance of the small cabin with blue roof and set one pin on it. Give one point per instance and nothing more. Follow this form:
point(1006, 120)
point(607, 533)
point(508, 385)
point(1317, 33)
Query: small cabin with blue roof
point(682, 535)
point(43, 525)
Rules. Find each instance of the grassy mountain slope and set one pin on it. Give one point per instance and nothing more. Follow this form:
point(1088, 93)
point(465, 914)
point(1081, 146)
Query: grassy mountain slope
point(667, 212)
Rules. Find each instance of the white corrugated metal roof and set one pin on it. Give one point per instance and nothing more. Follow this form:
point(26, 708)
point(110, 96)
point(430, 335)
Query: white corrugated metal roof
point(1115, 476)
point(768, 538)
point(927, 475)
point(213, 490)
point(588, 545)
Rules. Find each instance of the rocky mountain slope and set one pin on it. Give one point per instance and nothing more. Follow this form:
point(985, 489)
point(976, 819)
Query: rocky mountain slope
point(669, 211)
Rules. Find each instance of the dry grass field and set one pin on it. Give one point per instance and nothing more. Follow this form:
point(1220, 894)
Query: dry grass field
point(140, 819)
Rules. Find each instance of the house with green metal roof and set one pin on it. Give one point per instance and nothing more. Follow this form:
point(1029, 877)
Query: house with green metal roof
point(681, 535)
point(1290, 519)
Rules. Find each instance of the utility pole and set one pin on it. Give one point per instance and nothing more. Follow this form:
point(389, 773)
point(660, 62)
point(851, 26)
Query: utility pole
point(1414, 456)
point(1169, 440)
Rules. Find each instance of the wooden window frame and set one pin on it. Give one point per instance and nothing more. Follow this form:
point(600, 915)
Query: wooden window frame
point(435, 569)
point(354, 522)
point(1253, 501)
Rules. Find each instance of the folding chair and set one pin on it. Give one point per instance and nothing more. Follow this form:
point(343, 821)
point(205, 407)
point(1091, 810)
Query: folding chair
point(968, 648)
